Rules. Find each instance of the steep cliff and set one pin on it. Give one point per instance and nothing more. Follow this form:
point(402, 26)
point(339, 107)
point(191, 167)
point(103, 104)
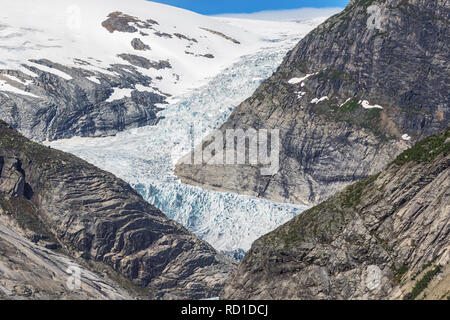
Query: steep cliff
point(31, 271)
point(84, 105)
point(386, 237)
point(63, 203)
point(350, 97)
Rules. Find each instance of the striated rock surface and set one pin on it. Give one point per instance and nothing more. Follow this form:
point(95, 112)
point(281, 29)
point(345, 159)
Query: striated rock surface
point(65, 203)
point(350, 97)
point(78, 102)
point(386, 237)
point(31, 271)
point(142, 62)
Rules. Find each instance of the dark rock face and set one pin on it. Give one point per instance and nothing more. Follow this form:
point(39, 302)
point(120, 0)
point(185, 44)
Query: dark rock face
point(183, 37)
point(163, 35)
point(79, 106)
point(320, 100)
point(30, 271)
point(137, 44)
point(377, 239)
point(121, 22)
point(220, 34)
point(208, 55)
point(100, 218)
point(145, 63)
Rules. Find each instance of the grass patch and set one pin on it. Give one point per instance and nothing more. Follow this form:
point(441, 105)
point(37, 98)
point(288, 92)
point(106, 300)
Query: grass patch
point(319, 224)
point(350, 106)
point(353, 113)
point(352, 195)
point(400, 272)
point(426, 150)
point(24, 214)
point(423, 283)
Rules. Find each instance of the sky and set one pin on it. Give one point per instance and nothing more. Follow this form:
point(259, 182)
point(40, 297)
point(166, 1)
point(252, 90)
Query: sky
point(216, 7)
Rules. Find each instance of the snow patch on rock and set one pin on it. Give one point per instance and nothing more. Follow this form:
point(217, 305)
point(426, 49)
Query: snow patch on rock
point(94, 79)
point(406, 137)
point(120, 93)
point(366, 105)
point(4, 86)
point(317, 100)
point(298, 80)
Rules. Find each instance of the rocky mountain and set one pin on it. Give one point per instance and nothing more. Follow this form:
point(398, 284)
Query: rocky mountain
point(56, 209)
point(350, 97)
point(386, 237)
point(84, 69)
point(31, 271)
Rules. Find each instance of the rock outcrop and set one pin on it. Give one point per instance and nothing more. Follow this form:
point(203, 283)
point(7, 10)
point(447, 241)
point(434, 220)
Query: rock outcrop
point(83, 105)
point(31, 271)
point(350, 97)
point(122, 22)
point(386, 237)
point(63, 203)
point(139, 45)
point(142, 62)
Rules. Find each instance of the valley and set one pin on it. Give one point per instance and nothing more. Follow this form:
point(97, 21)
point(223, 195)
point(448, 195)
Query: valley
point(145, 157)
point(151, 152)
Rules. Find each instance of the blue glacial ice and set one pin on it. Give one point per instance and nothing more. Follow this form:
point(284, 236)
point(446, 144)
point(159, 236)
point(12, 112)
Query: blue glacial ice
point(145, 158)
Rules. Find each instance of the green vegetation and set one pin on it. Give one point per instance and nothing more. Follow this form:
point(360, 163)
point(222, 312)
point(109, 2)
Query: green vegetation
point(426, 150)
point(329, 217)
point(23, 212)
point(352, 112)
point(51, 159)
point(423, 283)
point(424, 267)
point(400, 272)
point(139, 291)
point(334, 74)
point(384, 34)
point(350, 106)
point(352, 195)
point(323, 220)
point(318, 223)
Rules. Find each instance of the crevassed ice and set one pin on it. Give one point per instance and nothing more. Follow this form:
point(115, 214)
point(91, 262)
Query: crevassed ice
point(145, 158)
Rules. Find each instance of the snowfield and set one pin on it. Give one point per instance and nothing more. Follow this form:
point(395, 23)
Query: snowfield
point(70, 32)
point(216, 63)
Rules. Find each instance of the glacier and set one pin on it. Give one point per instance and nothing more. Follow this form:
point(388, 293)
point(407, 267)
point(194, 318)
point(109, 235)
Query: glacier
point(145, 157)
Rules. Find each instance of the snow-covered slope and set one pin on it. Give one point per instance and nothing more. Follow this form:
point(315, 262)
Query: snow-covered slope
point(83, 34)
point(94, 68)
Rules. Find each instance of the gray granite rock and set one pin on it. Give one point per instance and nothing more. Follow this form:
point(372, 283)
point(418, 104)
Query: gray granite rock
point(402, 66)
point(80, 106)
point(377, 239)
point(138, 44)
point(100, 219)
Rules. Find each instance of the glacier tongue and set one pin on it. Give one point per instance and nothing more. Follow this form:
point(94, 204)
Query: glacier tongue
point(145, 158)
